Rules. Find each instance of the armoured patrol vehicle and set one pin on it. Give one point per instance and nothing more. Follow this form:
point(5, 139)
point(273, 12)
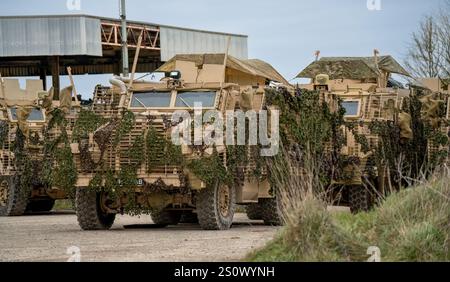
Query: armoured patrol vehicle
point(24, 116)
point(127, 162)
point(370, 98)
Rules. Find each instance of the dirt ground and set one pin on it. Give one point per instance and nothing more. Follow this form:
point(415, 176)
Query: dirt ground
point(56, 236)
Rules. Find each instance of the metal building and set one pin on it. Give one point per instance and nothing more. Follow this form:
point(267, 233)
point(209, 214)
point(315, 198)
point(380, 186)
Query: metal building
point(46, 45)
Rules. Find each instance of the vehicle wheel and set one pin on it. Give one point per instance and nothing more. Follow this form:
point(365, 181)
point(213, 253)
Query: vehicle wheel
point(359, 199)
point(189, 217)
point(271, 211)
point(41, 205)
point(164, 218)
point(215, 207)
point(90, 212)
point(253, 212)
point(13, 201)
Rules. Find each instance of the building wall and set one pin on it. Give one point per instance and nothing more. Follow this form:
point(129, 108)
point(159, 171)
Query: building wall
point(50, 36)
point(26, 41)
point(184, 41)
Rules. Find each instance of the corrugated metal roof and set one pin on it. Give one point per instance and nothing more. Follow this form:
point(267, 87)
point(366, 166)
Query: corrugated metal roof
point(129, 21)
point(49, 36)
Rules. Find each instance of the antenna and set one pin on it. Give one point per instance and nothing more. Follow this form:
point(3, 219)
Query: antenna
point(375, 55)
point(317, 55)
point(125, 61)
point(381, 79)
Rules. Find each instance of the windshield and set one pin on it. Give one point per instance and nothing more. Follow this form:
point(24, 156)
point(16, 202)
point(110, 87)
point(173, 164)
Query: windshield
point(351, 108)
point(189, 99)
point(151, 100)
point(36, 115)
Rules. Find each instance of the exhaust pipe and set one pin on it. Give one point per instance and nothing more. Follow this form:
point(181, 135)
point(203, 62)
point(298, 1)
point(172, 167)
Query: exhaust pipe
point(117, 81)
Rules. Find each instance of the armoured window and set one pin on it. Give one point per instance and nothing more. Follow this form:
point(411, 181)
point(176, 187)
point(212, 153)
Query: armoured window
point(36, 115)
point(151, 100)
point(189, 99)
point(351, 108)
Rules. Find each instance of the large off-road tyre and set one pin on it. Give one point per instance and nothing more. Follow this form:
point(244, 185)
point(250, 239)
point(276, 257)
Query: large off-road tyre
point(215, 207)
point(359, 199)
point(90, 214)
point(189, 217)
point(253, 212)
point(164, 218)
point(45, 205)
point(13, 201)
point(271, 211)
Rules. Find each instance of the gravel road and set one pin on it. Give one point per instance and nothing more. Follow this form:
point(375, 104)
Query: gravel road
point(48, 237)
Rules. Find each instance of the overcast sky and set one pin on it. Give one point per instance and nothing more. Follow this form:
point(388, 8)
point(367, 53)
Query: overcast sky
point(285, 33)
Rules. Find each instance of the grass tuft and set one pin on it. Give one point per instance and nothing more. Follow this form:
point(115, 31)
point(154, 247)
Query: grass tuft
point(411, 225)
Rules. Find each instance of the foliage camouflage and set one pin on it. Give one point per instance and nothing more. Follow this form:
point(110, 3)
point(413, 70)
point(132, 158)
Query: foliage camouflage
point(59, 169)
point(409, 157)
point(352, 67)
point(87, 122)
point(307, 127)
point(4, 132)
point(127, 123)
point(210, 169)
point(23, 163)
point(307, 124)
point(161, 151)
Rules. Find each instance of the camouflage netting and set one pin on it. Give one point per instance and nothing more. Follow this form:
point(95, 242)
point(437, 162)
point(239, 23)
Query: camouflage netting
point(22, 116)
point(59, 169)
point(146, 149)
point(43, 158)
point(210, 169)
point(404, 145)
point(352, 67)
point(4, 132)
point(311, 132)
point(151, 150)
point(27, 174)
point(88, 123)
point(65, 99)
point(307, 126)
